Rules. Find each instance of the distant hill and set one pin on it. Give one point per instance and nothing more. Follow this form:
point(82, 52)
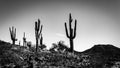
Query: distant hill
point(103, 49)
point(104, 55)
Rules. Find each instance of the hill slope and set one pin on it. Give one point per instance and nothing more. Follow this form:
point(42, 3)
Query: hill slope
point(103, 49)
point(99, 56)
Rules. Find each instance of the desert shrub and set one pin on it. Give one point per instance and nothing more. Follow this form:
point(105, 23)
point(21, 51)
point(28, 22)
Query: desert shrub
point(59, 47)
point(54, 46)
point(29, 44)
point(42, 46)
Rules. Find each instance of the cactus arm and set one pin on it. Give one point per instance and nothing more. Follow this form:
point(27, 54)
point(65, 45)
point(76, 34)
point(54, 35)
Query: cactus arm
point(12, 29)
point(75, 29)
point(38, 24)
point(35, 25)
point(66, 30)
point(70, 29)
point(40, 30)
point(41, 40)
point(15, 33)
point(70, 22)
point(10, 32)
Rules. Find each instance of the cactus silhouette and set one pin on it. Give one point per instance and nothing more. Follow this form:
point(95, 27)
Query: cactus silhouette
point(72, 33)
point(24, 40)
point(13, 34)
point(38, 30)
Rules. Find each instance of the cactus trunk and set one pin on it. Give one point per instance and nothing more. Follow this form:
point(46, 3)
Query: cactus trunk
point(36, 44)
point(13, 42)
point(71, 45)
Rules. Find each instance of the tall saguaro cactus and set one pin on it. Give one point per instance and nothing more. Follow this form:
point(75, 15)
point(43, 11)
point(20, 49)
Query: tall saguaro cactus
point(13, 34)
point(38, 30)
point(72, 32)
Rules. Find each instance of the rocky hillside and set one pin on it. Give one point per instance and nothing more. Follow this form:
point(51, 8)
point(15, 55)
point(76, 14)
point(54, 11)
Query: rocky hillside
point(106, 54)
point(99, 56)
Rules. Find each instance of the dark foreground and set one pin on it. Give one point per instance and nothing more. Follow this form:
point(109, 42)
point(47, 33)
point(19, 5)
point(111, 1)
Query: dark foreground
point(99, 56)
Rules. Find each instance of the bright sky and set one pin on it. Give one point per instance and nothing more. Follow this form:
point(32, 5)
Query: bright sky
point(98, 21)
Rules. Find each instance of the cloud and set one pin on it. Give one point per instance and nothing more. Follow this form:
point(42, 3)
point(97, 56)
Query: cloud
point(61, 35)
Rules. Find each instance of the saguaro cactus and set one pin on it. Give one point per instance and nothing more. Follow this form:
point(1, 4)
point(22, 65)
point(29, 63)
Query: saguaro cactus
point(38, 30)
point(72, 33)
point(24, 40)
point(13, 34)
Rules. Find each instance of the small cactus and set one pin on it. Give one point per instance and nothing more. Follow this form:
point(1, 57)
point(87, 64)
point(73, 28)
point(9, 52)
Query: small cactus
point(13, 34)
point(24, 40)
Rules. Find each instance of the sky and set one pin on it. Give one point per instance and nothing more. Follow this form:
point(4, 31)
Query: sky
point(98, 21)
